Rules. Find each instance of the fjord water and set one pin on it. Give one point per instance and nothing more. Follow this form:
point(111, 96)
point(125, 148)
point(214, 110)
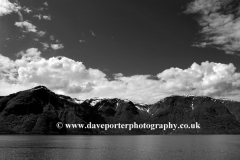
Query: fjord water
point(187, 147)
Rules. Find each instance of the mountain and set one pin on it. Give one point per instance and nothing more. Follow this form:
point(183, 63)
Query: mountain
point(38, 110)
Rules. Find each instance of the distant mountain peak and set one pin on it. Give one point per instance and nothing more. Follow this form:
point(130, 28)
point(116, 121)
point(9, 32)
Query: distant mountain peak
point(40, 87)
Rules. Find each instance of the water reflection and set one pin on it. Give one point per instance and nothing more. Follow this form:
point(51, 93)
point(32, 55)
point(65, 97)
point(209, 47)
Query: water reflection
point(120, 147)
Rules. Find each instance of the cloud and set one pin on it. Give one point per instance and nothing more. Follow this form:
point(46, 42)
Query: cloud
point(41, 33)
point(36, 39)
point(210, 79)
point(41, 9)
point(118, 75)
point(57, 46)
point(45, 46)
point(45, 17)
point(29, 27)
point(7, 7)
point(70, 77)
point(31, 54)
point(81, 40)
point(27, 10)
point(58, 73)
point(52, 37)
point(220, 22)
point(92, 33)
point(39, 16)
point(45, 3)
point(8, 69)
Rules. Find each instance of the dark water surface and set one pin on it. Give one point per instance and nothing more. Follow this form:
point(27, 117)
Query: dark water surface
point(186, 147)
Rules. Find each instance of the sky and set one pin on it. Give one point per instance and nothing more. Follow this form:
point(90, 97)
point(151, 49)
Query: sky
point(133, 49)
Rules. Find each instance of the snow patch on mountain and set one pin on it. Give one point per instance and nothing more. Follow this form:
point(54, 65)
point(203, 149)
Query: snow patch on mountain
point(192, 104)
point(141, 109)
point(94, 102)
point(75, 100)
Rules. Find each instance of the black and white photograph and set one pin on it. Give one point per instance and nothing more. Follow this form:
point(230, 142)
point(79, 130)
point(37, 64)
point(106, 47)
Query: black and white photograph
point(119, 79)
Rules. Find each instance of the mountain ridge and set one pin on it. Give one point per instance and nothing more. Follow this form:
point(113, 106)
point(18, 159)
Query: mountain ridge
point(37, 111)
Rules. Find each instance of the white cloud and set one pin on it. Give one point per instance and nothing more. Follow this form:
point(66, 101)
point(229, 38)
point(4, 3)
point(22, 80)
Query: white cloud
point(92, 33)
point(36, 39)
point(31, 54)
point(210, 79)
point(45, 46)
point(45, 3)
point(58, 73)
point(118, 75)
point(39, 16)
point(81, 40)
point(51, 37)
point(7, 7)
point(29, 27)
point(41, 33)
point(45, 17)
point(40, 9)
point(21, 36)
point(57, 46)
point(27, 10)
point(220, 22)
point(8, 69)
point(66, 76)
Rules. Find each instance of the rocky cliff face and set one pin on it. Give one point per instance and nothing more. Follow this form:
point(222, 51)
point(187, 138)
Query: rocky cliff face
point(37, 111)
